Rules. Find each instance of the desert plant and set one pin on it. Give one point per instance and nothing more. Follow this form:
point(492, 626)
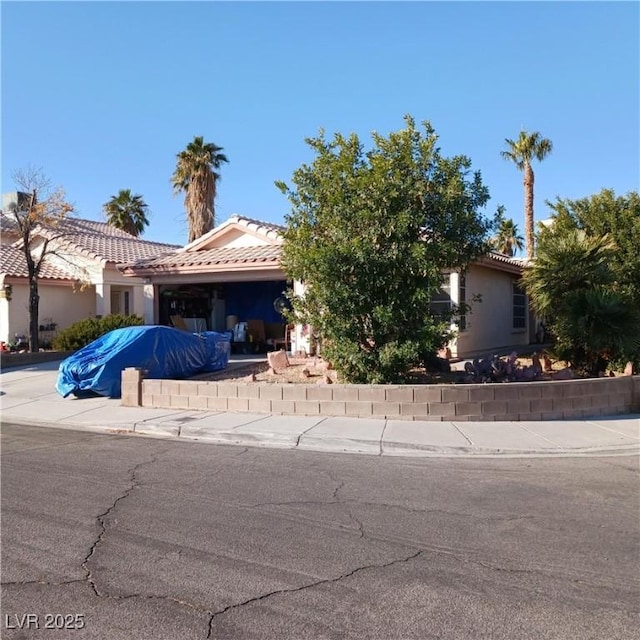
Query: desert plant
point(572, 285)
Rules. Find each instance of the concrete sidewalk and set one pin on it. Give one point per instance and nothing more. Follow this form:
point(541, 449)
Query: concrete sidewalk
point(28, 396)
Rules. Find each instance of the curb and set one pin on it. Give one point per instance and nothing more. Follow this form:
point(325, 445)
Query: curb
point(327, 445)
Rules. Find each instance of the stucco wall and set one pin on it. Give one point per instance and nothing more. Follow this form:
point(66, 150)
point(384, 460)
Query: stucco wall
point(60, 303)
point(490, 323)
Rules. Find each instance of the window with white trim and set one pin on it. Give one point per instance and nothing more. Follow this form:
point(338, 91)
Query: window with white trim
point(519, 307)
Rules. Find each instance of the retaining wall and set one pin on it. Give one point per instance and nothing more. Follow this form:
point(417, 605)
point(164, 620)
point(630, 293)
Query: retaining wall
point(549, 400)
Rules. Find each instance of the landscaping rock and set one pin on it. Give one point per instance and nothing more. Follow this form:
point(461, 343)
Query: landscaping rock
point(323, 365)
point(278, 359)
point(563, 374)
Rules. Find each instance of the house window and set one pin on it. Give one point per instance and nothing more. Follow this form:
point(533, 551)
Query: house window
point(462, 298)
point(115, 302)
point(127, 310)
point(519, 307)
point(441, 301)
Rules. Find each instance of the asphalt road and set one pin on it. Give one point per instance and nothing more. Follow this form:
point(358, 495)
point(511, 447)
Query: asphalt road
point(119, 537)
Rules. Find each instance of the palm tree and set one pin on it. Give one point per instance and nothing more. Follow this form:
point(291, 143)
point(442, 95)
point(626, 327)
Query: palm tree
point(127, 212)
point(196, 174)
point(507, 239)
point(521, 152)
point(571, 284)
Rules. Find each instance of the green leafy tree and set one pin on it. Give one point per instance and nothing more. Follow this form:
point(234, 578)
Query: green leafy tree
point(38, 206)
point(127, 212)
point(370, 233)
point(197, 175)
point(572, 285)
point(507, 239)
point(617, 217)
point(528, 147)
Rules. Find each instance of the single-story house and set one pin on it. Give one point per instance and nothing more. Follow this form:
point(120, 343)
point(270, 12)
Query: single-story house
point(233, 274)
point(81, 280)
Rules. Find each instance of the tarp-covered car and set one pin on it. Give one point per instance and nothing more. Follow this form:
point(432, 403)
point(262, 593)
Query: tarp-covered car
point(163, 352)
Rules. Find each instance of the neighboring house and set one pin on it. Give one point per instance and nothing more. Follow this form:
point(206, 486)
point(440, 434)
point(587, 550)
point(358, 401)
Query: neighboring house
point(500, 318)
point(233, 273)
point(81, 280)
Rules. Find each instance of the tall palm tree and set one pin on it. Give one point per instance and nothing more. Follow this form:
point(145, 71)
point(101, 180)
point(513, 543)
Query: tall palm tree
point(521, 152)
point(507, 239)
point(127, 212)
point(196, 174)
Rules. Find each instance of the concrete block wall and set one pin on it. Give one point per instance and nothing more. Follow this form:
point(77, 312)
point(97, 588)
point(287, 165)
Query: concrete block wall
point(550, 400)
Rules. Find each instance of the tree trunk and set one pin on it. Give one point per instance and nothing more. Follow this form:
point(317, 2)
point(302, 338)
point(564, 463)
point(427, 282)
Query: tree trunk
point(34, 303)
point(528, 210)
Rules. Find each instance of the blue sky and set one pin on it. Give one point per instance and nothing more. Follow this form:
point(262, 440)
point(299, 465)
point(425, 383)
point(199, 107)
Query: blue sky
point(102, 95)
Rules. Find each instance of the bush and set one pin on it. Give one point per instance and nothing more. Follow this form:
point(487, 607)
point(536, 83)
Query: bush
point(370, 234)
point(83, 332)
point(593, 319)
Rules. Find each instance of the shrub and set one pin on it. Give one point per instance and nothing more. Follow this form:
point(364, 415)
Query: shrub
point(370, 235)
point(83, 332)
point(593, 319)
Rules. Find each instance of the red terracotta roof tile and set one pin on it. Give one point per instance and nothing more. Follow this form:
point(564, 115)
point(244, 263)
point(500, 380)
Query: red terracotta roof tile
point(212, 257)
point(13, 263)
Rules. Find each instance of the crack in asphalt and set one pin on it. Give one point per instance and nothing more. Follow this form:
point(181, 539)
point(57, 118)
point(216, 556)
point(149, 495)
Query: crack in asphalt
point(46, 583)
point(311, 585)
point(134, 483)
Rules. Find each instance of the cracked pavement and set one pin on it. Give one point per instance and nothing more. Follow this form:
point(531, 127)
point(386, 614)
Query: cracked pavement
point(153, 539)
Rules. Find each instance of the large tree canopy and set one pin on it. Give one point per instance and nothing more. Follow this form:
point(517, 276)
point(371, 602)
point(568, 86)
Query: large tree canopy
point(370, 233)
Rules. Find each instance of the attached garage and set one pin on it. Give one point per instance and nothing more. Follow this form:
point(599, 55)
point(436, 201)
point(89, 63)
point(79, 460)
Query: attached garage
point(230, 275)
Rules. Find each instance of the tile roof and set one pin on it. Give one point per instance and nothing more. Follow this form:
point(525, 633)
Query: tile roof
point(212, 257)
point(267, 228)
point(13, 263)
point(101, 241)
point(97, 240)
point(502, 262)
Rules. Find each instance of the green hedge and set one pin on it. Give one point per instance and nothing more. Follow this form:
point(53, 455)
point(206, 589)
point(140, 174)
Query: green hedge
point(83, 332)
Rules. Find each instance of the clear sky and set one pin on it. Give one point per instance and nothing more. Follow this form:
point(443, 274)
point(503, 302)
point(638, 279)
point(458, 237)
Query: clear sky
point(103, 95)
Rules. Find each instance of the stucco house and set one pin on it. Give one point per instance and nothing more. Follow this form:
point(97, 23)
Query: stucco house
point(80, 281)
point(233, 274)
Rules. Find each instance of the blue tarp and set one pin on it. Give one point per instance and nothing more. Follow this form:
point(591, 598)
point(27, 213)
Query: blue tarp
point(163, 352)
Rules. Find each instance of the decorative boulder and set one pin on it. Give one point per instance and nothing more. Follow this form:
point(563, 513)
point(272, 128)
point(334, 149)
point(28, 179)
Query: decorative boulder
point(278, 359)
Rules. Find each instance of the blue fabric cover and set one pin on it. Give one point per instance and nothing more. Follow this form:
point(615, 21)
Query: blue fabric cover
point(163, 352)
